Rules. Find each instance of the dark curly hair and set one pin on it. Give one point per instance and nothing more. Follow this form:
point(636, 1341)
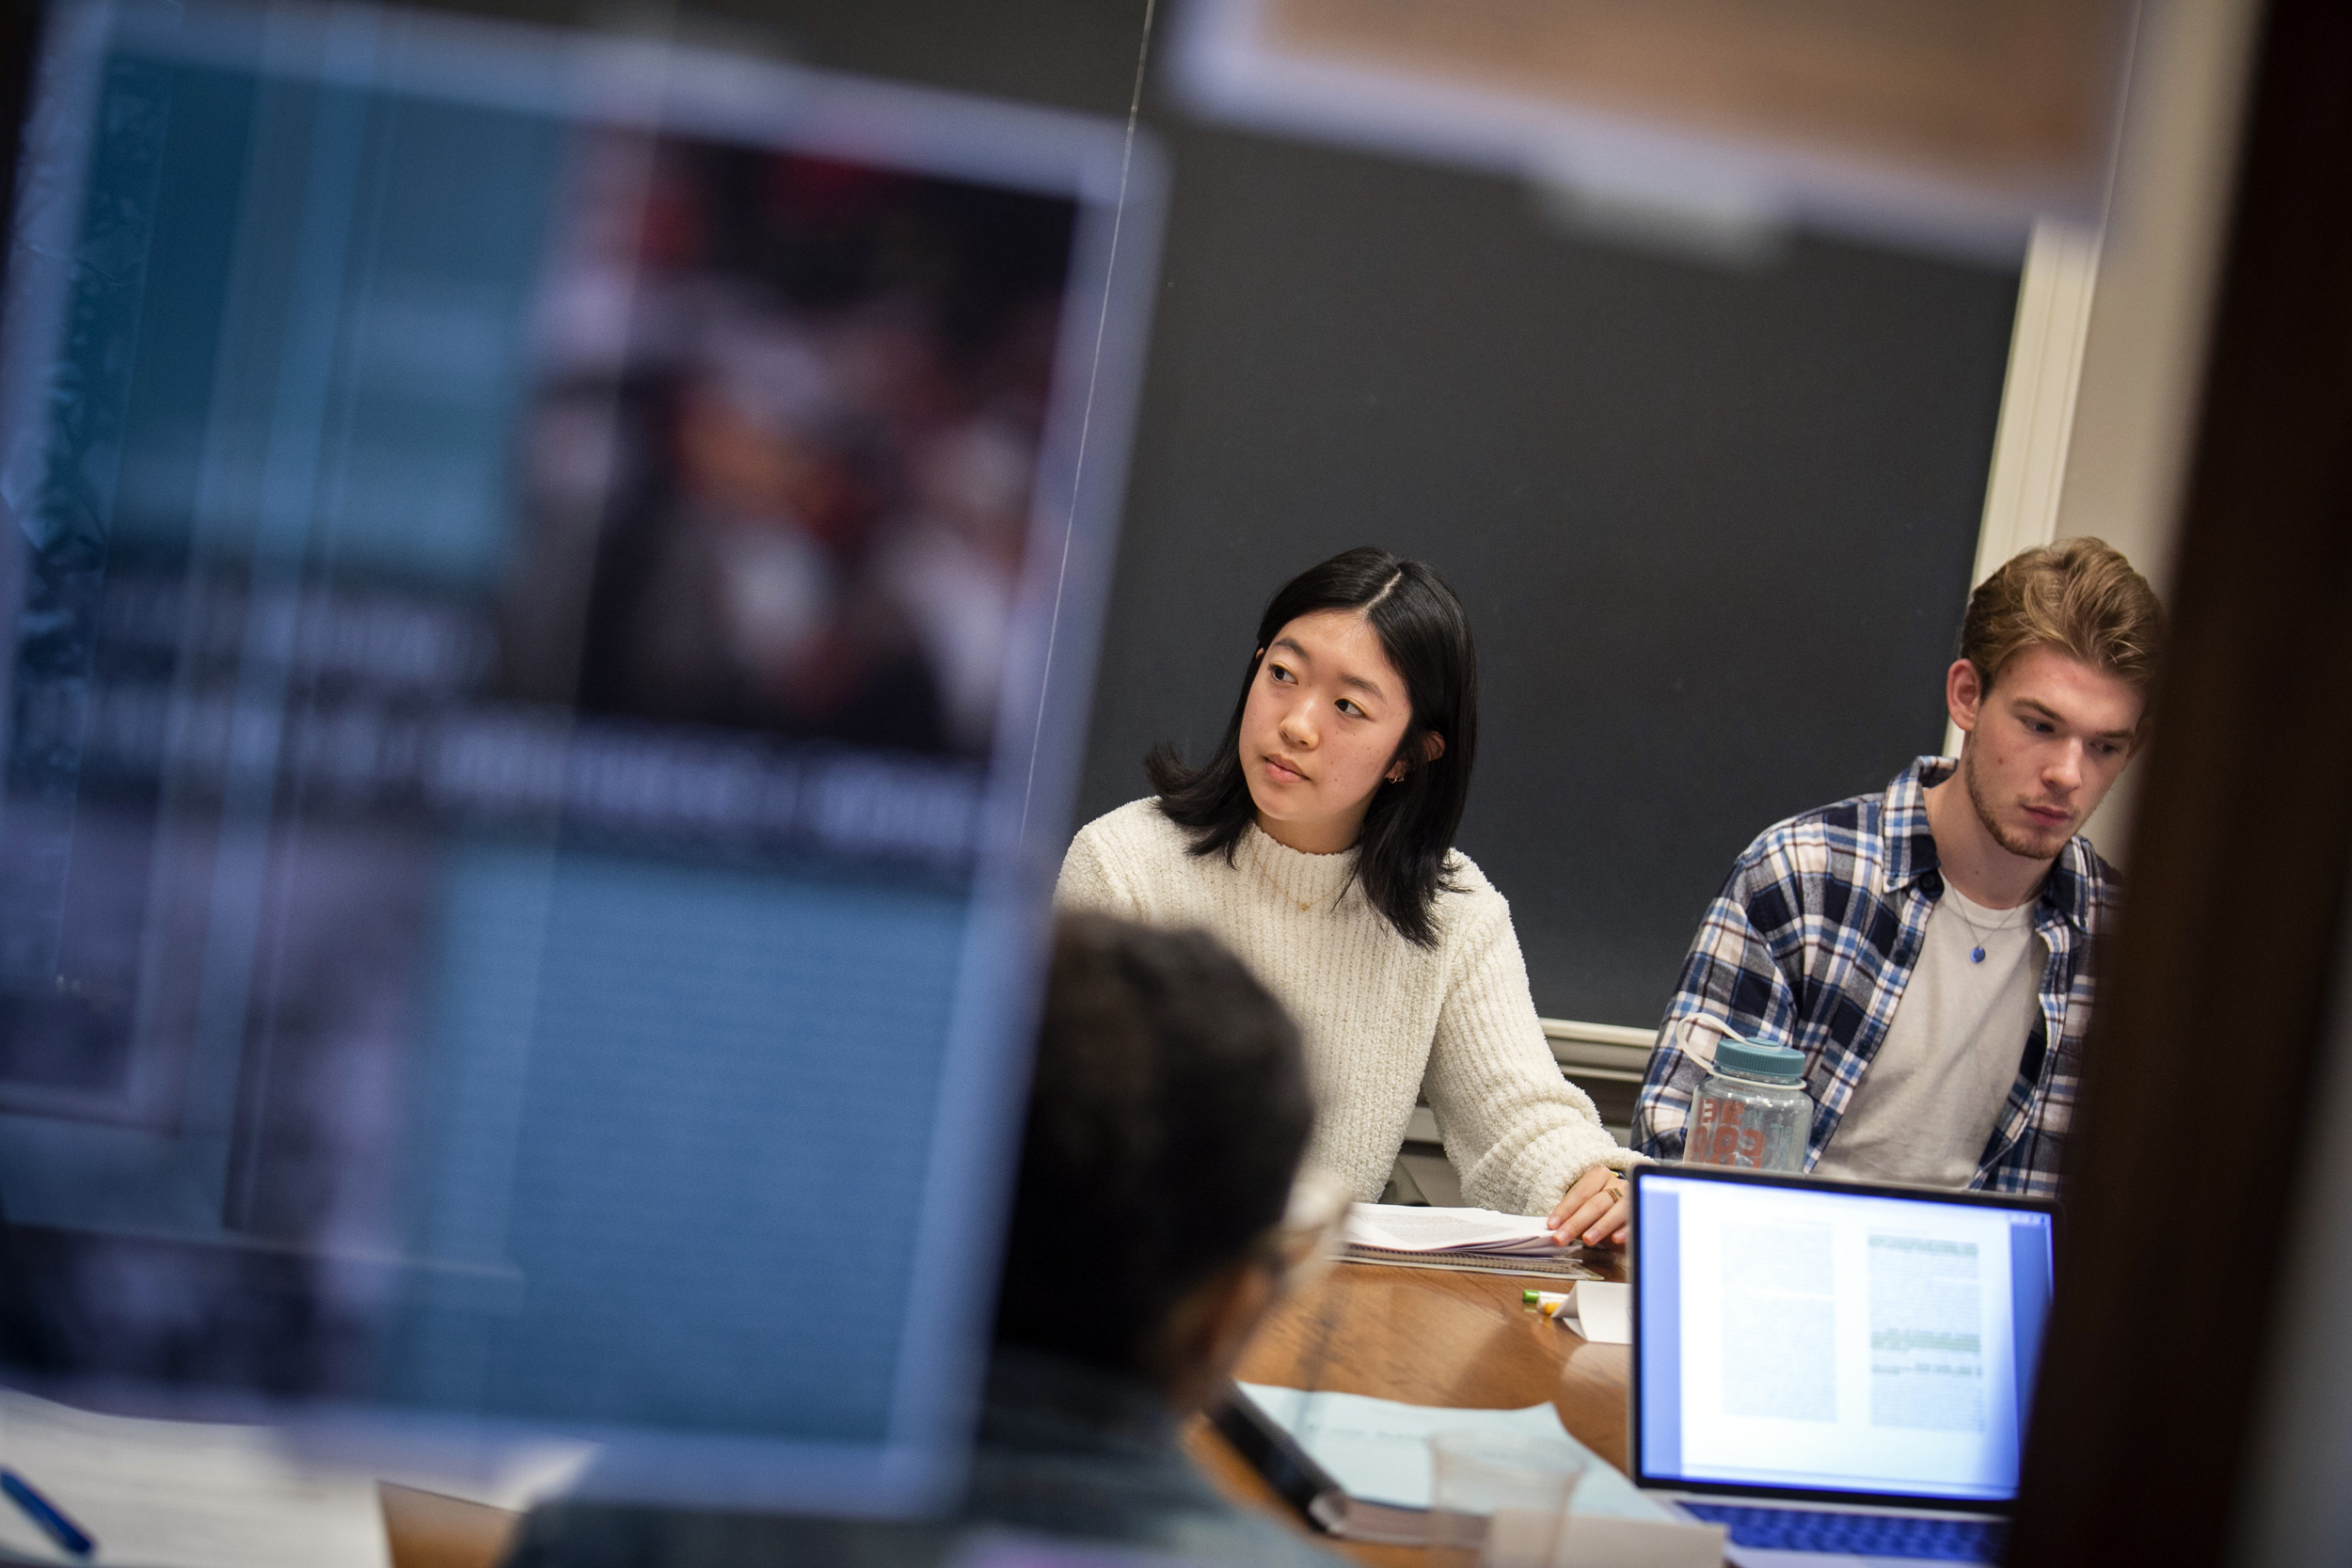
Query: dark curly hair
point(1167, 1117)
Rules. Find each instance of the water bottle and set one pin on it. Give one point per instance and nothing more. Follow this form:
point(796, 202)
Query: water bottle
point(1752, 1110)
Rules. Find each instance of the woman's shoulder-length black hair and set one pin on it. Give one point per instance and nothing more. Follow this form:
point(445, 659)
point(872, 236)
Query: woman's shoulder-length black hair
point(1408, 830)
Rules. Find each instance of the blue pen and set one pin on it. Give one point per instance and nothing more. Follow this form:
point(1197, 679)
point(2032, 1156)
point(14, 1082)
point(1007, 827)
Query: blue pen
point(40, 1511)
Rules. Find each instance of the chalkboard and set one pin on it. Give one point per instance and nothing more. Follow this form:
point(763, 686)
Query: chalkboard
point(1714, 527)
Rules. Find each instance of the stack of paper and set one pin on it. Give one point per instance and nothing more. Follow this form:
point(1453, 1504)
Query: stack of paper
point(1477, 1238)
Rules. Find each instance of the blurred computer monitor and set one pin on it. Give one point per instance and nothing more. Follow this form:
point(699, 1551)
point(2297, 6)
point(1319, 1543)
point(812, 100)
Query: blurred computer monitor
point(553, 584)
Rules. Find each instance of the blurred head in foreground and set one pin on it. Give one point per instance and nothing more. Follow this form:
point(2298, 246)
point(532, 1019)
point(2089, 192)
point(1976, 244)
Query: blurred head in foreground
point(1167, 1119)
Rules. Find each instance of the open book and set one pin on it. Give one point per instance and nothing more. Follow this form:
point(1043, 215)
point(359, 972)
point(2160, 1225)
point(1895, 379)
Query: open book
point(1477, 1238)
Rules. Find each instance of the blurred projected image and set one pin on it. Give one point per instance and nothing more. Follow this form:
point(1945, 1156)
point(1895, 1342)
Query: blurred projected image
point(529, 609)
point(809, 465)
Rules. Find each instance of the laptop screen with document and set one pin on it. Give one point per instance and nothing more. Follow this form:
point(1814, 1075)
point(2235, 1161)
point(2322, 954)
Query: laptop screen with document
point(1829, 1340)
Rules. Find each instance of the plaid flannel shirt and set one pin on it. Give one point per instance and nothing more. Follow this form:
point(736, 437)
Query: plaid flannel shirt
point(1811, 942)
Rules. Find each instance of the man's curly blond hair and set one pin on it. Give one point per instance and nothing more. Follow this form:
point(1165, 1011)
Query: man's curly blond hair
point(2079, 597)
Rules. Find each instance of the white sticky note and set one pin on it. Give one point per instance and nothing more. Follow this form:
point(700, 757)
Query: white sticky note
point(1600, 1312)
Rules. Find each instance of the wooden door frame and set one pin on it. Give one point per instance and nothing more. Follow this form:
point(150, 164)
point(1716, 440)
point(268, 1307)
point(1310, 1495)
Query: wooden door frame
point(2191, 1139)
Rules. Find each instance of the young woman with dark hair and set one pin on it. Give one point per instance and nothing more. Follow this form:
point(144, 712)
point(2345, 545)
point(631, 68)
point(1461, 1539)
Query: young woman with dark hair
point(1317, 841)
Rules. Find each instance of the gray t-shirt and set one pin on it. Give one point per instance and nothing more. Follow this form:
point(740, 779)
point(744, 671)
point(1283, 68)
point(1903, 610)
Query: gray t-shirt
point(1925, 1109)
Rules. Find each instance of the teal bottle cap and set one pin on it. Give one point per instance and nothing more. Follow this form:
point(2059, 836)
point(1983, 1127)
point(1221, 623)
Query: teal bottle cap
point(1774, 1064)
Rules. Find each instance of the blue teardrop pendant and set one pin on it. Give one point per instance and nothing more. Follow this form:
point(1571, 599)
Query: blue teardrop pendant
point(1977, 957)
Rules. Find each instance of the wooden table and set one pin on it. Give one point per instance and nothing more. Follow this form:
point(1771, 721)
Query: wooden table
point(1425, 1336)
point(425, 1530)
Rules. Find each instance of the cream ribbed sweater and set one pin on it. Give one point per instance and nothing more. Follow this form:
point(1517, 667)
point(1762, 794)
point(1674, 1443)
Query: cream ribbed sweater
point(1384, 1020)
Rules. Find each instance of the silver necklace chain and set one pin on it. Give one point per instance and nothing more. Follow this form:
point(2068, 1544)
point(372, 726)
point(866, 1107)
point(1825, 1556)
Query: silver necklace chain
point(1976, 954)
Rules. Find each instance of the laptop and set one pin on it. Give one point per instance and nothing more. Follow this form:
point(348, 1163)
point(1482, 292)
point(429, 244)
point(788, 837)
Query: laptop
point(1835, 1368)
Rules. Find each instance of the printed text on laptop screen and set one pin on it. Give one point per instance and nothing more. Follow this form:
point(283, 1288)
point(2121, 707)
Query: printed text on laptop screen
point(1829, 1341)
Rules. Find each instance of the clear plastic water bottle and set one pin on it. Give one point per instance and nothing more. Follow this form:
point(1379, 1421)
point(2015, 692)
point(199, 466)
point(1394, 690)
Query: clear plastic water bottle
point(1752, 1110)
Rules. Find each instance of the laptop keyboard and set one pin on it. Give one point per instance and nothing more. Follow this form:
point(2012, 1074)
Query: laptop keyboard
point(1862, 1534)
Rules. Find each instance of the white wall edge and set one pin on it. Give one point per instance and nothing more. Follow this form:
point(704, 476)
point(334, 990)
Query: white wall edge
point(2037, 421)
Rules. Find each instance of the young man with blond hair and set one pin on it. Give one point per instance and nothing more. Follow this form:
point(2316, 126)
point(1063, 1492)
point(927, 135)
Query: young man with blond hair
point(1928, 947)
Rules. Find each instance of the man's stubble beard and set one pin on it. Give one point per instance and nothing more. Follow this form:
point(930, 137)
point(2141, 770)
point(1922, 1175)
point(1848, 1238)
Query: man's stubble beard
point(2015, 843)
